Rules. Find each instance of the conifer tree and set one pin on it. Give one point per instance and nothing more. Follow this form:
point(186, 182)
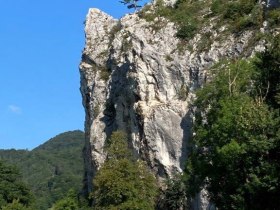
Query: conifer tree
point(131, 4)
point(12, 190)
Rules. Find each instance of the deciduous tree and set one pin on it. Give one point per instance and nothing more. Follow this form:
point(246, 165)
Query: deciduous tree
point(235, 151)
point(122, 182)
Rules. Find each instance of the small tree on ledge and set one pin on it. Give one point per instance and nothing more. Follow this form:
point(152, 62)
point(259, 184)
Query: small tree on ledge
point(131, 4)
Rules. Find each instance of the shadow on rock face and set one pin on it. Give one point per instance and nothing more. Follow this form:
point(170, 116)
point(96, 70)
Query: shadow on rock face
point(186, 125)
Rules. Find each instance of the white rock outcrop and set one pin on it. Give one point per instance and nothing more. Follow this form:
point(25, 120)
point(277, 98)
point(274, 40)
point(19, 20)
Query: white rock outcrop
point(138, 77)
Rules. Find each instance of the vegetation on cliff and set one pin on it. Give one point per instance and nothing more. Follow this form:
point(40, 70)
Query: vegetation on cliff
point(235, 150)
point(192, 16)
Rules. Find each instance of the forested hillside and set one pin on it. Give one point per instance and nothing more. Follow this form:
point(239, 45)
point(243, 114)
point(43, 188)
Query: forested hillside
point(51, 169)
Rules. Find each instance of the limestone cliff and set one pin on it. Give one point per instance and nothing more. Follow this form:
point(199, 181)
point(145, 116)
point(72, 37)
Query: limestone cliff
point(141, 78)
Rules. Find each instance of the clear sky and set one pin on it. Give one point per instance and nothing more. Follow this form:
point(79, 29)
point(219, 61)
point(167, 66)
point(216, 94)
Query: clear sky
point(40, 49)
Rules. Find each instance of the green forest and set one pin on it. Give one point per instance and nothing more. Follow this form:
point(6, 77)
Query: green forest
point(44, 175)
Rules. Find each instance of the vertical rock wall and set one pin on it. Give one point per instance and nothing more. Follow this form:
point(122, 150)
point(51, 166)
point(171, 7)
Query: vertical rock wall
point(138, 77)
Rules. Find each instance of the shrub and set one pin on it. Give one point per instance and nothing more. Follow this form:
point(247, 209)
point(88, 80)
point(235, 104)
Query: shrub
point(15, 205)
point(115, 29)
point(183, 92)
point(274, 17)
point(242, 23)
point(217, 6)
point(104, 73)
point(186, 15)
point(243, 14)
point(205, 42)
point(232, 11)
point(96, 110)
point(182, 14)
point(239, 8)
point(187, 30)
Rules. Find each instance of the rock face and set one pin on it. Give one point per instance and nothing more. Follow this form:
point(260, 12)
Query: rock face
point(167, 2)
point(138, 77)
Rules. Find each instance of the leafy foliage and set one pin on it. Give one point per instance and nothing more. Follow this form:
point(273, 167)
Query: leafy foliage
point(243, 14)
point(67, 203)
point(174, 196)
point(190, 16)
point(15, 205)
point(184, 14)
point(13, 192)
point(274, 17)
point(52, 168)
point(235, 152)
point(123, 183)
point(239, 14)
point(268, 65)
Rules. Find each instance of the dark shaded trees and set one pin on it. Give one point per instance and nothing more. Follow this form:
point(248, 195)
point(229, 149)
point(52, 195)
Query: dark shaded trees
point(70, 202)
point(268, 65)
point(174, 196)
point(51, 169)
point(16, 205)
point(12, 189)
point(235, 152)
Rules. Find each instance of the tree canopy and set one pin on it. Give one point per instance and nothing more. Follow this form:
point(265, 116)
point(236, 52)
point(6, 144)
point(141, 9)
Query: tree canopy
point(12, 190)
point(69, 202)
point(51, 169)
point(122, 182)
point(236, 152)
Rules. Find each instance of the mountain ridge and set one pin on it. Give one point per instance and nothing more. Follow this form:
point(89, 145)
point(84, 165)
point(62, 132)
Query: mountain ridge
point(52, 168)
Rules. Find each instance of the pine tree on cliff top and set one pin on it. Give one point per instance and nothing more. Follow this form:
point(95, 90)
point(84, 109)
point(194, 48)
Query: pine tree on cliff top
point(131, 4)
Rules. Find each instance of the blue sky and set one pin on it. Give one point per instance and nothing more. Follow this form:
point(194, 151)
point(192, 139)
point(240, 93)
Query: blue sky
point(40, 50)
